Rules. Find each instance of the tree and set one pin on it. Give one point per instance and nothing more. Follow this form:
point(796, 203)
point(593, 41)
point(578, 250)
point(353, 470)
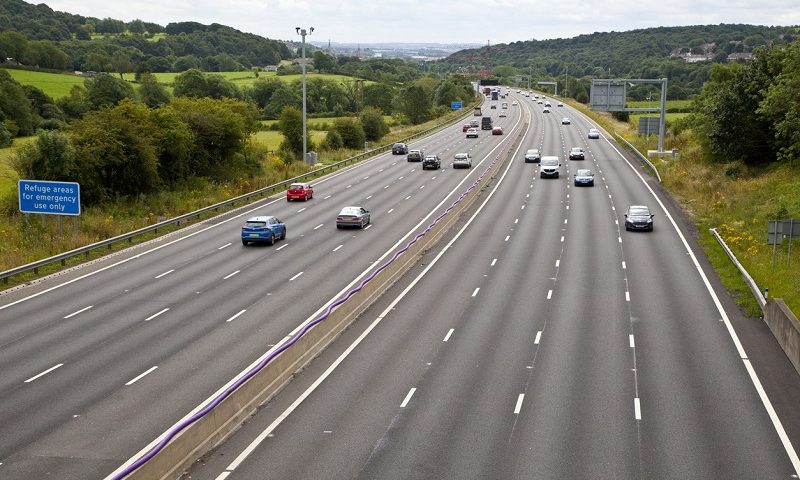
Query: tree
point(191, 83)
point(116, 152)
point(373, 124)
point(121, 63)
point(76, 104)
point(379, 95)
point(173, 145)
point(323, 62)
point(136, 27)
point(781, 106)
point(351, 131)
point(414, 103)
point(220, 129)
point(104, 90)
point(291, 126)
point(50, 157)
point(15, 106)
point(152, 93)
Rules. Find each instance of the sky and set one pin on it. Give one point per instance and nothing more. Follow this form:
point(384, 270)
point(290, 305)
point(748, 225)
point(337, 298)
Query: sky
point(437, 21)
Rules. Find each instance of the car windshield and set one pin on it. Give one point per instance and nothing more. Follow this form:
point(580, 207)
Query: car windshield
point(639, 212)
point(549, 162)
point(584, 173)
point(577, 149)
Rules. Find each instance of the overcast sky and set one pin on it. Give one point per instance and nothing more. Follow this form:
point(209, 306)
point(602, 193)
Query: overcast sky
point(438, 21)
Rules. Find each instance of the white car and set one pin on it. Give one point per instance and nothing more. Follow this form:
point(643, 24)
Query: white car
point(546, 110)
point(472, 133)
point(503, 114)
point(565, 121)
point(514, 104)
point(462, 160)
point(594, 133)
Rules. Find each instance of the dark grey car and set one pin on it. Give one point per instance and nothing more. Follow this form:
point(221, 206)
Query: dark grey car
point(638, 217)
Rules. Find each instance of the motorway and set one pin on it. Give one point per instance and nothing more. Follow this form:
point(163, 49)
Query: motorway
point(539, 340)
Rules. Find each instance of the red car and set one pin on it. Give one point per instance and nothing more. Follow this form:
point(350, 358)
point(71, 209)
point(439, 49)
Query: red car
point(299, 191)
point(465, 127)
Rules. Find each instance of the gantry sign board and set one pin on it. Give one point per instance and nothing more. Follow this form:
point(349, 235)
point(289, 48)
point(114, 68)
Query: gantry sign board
point(608, 95)
point(54, 198)
point(649, 125)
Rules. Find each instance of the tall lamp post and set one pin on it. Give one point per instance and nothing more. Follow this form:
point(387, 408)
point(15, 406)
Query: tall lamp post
point(302, 32)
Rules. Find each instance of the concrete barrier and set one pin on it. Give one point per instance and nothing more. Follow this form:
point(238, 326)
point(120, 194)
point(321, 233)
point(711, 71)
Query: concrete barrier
point(202, 435)
point(785, 327)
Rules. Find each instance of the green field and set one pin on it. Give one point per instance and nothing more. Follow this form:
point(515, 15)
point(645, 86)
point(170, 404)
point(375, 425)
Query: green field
point(246, 77)
point(272, 140)
point(656, 103)
point(56, 85)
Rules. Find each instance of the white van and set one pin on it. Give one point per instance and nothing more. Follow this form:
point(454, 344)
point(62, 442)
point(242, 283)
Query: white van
point(549, 166)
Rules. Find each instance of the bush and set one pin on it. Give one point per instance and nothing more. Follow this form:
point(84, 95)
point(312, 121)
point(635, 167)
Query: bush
point(372, 123)
point(5, 136)
point(333, 141)
point(351, 131)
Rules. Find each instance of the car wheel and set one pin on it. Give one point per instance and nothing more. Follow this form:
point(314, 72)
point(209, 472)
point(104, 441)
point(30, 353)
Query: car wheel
point(627, 229)
point(283, 237)
point(271, 240)
point(339, 227)
point(362, 224)
point(244, 242)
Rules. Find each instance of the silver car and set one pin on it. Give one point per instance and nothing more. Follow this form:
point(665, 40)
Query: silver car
point(462, 160)
point(352, 217)
point(594, 133)
point(532, 156)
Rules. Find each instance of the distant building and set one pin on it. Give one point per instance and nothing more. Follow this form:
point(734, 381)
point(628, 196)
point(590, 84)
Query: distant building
point(741, 57)
point(271, 68)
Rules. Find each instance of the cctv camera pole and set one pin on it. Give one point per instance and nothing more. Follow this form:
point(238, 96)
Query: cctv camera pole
point(302, 33)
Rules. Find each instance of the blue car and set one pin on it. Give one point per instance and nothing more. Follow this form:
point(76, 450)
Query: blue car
point(264, 229)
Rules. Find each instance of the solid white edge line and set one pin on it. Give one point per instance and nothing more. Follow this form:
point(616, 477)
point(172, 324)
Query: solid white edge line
point(235, 316)
point(297, 275)
point(155, 315)
point(447, 337)
point(518, 406)
point(408, 397)
point(476, 291)
point(140, 376)
point(230, 275)
point(44, 373)
point(538, 338)
point(637, 408)
point(277, 345)
point(776, 422)
point(79, 311)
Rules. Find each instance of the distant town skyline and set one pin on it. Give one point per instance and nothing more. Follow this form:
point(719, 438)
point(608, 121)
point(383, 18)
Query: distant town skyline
point(444, 21)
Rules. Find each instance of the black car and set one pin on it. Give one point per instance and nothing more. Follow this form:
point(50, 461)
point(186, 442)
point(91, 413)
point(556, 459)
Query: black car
point(399, 149)
point(638, 217)
point(432, 161)
point(415, 156)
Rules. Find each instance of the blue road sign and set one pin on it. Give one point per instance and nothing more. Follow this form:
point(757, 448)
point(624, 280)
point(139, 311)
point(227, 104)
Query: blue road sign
point(455, 105)
point(55, 198)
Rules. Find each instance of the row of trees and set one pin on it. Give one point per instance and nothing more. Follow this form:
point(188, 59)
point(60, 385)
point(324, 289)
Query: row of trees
point(129, 149)
point(750, 112)
point(641, 53)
